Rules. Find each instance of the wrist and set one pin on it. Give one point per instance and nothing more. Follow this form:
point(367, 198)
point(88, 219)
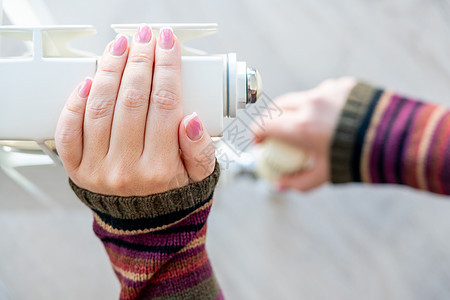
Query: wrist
point(353, 122)
point(151, 206)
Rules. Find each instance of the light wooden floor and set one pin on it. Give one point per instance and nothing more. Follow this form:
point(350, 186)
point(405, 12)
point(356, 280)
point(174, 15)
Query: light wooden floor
point(349, 242)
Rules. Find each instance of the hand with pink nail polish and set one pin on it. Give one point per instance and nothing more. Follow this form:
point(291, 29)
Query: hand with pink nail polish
point(121, 133)
point(147, 173)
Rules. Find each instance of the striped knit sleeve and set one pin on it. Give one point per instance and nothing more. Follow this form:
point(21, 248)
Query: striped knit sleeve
point(384, 137)
point(156, 244)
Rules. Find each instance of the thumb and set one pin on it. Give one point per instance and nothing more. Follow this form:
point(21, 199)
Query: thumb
point(197, 148)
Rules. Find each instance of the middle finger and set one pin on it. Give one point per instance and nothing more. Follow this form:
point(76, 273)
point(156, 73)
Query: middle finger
point(130, 114)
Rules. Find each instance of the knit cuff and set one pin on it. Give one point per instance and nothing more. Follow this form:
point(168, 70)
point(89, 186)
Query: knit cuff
point(156, 205)
point(343, 144)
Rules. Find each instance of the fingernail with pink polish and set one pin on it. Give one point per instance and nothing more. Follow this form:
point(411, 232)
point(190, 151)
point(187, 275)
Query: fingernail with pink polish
point(144, 34)
point(194, 128)
point(119, 45)
point(85, 88)
point(166, 38)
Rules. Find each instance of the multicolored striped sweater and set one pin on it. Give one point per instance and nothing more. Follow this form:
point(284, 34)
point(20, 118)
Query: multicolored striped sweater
point(156, 244)
point(383, 137)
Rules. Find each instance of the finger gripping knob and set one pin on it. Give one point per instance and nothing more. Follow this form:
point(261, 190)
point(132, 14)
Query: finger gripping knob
point(277, 158)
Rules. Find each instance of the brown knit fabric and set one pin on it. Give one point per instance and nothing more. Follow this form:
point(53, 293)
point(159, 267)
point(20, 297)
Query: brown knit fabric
point(344, 135)
point(136, 207)
point(208, 289)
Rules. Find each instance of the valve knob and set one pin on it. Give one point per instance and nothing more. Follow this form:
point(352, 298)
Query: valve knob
point(254, 85)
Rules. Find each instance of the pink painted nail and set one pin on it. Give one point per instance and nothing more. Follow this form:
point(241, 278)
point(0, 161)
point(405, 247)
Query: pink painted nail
point(119, 45)
point(194, 128)
point(85, 88)
point(166, 38)
point(144, 34)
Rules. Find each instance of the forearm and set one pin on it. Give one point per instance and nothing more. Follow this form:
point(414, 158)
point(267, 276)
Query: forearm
point(156, 244)
point(383, 137)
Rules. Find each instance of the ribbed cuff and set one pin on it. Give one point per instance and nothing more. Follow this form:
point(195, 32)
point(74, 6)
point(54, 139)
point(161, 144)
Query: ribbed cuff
point(137, 207)
point(343, 144)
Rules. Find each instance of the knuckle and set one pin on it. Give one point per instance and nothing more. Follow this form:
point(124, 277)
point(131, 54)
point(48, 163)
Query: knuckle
point(74, 109)
point(122, 178)
point(109, 69)
point(99, 109)
point(118, 181)
point(167, 63)
point(159, 179)
point(165, 99)
point(119, 185)
point(105, 85)
point(167, 68)
point(133, 99)
point(141, 58)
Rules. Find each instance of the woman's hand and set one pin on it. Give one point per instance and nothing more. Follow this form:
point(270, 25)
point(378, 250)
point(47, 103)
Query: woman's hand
point(308, 121)
point(121, 133)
